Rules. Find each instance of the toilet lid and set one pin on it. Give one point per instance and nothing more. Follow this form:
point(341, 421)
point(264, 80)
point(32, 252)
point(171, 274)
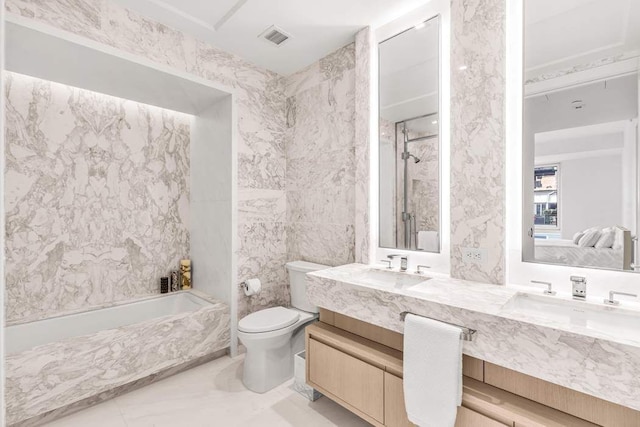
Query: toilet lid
point(269, 319)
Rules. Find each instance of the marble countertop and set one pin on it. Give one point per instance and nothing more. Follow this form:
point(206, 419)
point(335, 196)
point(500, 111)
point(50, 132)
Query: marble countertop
point(593, 362)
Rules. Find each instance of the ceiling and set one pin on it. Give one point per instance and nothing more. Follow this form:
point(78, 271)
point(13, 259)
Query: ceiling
point(316, 27)
point(604, 101)
point(561, 34)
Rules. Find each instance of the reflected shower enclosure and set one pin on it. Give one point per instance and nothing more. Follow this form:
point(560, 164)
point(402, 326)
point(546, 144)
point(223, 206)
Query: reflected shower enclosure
point(409, 139)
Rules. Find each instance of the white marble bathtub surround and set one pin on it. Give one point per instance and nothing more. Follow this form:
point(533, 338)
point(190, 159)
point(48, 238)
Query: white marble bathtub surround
point(478, 137)
point(594, 363)
point(53, 376)
point(260, 104)
point(96, 197)
point(364, 47)
point(320, 147)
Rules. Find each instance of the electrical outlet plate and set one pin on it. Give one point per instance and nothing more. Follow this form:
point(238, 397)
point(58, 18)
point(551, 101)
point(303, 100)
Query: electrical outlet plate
point(475, 255)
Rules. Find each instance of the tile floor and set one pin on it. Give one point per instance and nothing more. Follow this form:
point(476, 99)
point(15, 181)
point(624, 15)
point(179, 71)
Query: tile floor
point(211, 395)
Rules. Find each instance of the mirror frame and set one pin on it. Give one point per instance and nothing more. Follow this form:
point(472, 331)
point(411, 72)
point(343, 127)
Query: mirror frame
point(520, 272)
point(439, 262)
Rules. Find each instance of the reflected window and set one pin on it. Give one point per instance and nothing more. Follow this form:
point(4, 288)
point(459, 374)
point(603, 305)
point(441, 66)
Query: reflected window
point(545, 202)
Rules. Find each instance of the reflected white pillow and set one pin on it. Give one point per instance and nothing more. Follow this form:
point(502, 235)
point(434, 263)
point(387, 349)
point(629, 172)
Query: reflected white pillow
point(589, 239)
point(577, 237)
point(606, 239)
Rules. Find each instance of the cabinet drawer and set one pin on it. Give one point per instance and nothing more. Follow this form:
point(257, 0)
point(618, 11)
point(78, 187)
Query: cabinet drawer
point(395, 414)
point(353, 381)
point(468, 418)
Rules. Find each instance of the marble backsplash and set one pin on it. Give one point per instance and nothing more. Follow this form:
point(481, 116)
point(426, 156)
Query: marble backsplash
point(97, 197)
point(320, 146)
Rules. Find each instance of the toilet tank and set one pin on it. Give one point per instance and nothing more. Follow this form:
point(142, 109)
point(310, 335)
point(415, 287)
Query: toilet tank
point(297, 280)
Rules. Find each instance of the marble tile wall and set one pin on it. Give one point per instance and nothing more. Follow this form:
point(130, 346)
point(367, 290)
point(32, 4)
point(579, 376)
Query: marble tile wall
point(478, 137)
point(96, 197)
point(363, 46)
point(261, 122)
point(320, 146)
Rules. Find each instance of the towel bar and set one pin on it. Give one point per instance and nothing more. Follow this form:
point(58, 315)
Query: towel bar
point(466, 333)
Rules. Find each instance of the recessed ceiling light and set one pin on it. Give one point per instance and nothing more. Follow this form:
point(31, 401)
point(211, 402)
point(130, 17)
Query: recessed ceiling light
point(435, 122)
point(462, 67)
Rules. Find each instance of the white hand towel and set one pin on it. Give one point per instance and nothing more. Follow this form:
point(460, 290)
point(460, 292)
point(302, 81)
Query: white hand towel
point(428, 241)
point(432, 371)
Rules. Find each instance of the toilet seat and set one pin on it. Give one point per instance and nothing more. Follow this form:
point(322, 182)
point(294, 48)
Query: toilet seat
point(267, 320)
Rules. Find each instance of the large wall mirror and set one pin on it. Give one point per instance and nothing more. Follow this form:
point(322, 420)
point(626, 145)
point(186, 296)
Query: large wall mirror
point(409, 70)
point(580, 124)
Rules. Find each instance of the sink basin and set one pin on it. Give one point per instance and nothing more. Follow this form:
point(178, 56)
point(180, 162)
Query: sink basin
point(386, 278)
point(612, 321)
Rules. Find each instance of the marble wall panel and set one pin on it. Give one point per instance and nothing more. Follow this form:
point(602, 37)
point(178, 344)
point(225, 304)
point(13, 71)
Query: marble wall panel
point(363, 100)
point(258, 243)
point(328, 244)
point(320, 151)
point(260, 99)
point(97, 197)
point(478, 137)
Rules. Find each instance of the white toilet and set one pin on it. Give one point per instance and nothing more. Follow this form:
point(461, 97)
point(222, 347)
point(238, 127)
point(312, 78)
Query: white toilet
point(274, 335)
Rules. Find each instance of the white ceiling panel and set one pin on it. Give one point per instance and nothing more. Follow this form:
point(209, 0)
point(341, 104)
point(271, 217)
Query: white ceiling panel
point(561, 34)
point(317, 27)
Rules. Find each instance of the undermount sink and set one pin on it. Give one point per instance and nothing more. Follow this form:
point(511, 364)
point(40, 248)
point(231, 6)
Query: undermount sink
point(613, 321)
point(387, 278)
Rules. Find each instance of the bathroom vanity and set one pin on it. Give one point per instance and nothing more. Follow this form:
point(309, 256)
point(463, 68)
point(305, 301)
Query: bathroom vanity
point(520, 369)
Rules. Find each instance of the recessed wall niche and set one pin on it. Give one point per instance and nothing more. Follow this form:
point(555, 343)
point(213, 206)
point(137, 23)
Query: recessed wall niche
point(178, 181)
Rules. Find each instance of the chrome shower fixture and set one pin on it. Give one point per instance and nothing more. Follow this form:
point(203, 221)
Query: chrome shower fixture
point(406, 156)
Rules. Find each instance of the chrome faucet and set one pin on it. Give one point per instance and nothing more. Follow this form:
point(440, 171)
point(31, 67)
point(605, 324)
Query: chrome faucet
point(549, 285)
point(403, 260)
point(579, 287)
point(612, 301)
point(388, 261)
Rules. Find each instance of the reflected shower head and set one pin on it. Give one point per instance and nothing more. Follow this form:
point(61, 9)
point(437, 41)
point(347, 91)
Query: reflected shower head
point(406, 155)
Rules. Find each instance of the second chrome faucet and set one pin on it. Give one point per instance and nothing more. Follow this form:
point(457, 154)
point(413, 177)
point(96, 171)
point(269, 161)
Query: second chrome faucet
point(403, 260)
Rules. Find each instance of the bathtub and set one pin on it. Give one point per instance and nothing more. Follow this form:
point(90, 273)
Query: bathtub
point(61, 364)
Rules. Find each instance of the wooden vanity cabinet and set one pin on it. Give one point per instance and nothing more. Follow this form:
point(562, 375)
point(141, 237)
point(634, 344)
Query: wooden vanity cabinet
point(365, 377)
point(359, 366)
